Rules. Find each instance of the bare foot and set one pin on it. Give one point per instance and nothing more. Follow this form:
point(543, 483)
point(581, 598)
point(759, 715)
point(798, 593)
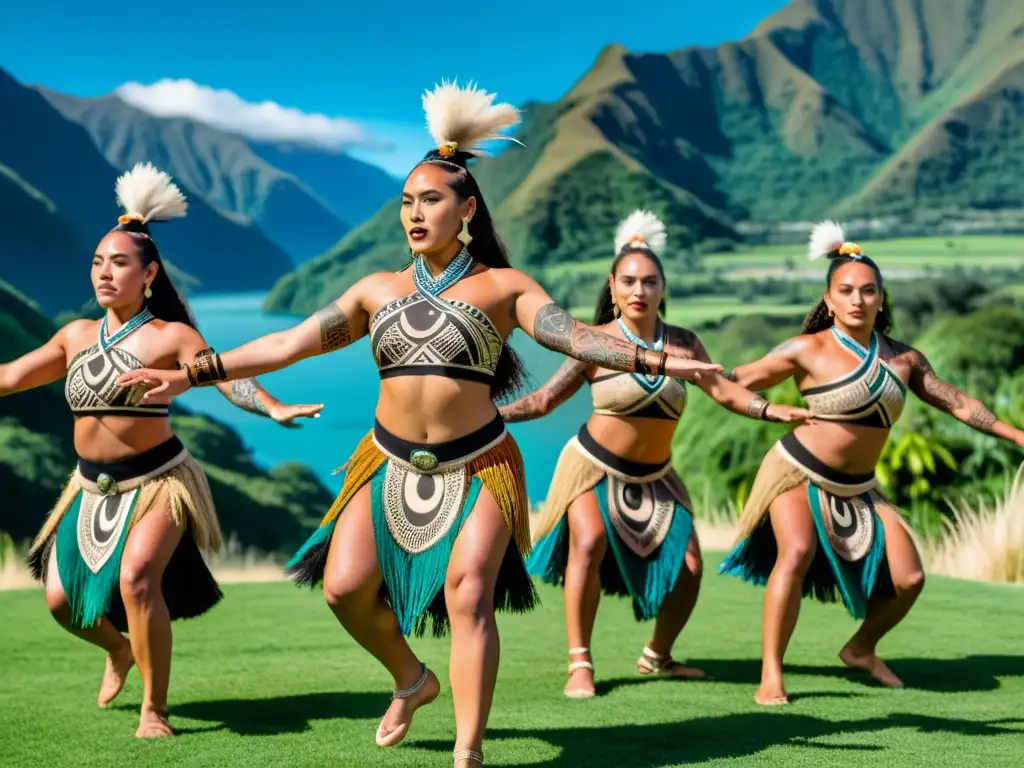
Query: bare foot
point(771, 694)
point(869, 662)
point(115, 675)
point(396, 722)
point(580, 684)
point(153, 725)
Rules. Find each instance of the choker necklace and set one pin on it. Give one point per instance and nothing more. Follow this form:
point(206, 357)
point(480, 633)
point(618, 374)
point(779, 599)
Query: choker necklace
point(656, 345)
point(134, 324)
point(427, 284)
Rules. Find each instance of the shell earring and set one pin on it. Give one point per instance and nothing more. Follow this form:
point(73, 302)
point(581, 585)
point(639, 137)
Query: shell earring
point(615, 310)
point(148, 293)
point(464, 237)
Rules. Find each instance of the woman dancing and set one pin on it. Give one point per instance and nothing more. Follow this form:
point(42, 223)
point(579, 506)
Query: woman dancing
point(814, 523)
point(121, 549)
point(614, 490)
point(432, 519)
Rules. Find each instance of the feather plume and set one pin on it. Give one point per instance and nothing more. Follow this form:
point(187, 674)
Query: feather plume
point(148, 194)
point(466, 116)
point(644, 226)
point(827, 236)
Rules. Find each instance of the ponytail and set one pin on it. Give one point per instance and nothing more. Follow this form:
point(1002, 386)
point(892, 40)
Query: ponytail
point(166, 303)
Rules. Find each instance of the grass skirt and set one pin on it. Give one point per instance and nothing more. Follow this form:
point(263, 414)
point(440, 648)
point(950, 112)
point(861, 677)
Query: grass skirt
point(90, 525)
point(835, 574)
point(417, 516)
point(648, 524)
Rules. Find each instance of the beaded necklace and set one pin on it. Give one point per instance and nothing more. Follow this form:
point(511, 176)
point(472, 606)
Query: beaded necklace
point(127, 329)
point(427, 284)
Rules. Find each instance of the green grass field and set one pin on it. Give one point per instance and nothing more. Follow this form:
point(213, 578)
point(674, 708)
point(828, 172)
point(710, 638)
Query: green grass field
point(270, 679)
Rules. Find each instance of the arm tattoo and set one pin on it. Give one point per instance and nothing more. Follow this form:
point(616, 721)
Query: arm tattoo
point(933, 390)
point(334, 330)
point(244, 394)
point(556, 329)
point(565, 379)
point(981, 419)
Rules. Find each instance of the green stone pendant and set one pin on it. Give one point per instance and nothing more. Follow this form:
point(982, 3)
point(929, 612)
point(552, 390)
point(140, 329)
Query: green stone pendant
point(423, 460)
point(106, 484)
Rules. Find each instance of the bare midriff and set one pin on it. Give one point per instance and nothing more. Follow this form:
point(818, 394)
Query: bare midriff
point(849, 448)
point(115, 438)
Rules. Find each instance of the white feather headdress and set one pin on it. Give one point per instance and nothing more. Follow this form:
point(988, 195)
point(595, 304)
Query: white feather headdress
point(830, 237)
point(460, 118)
point(148, 194)
point(642, 229)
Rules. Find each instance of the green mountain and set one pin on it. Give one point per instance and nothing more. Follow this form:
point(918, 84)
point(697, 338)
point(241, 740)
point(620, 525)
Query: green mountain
point(219, 167)
point(829, 107)
point(54, 160)
point(272, 511)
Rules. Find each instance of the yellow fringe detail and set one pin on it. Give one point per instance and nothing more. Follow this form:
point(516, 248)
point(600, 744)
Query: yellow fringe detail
point(186, 491)
point(500, 470)
point(366, 459)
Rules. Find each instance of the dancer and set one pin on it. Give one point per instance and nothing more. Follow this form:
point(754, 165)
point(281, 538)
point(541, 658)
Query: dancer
point(432, 519)
point(814, 523)
point(121, 549)
point(614, 491)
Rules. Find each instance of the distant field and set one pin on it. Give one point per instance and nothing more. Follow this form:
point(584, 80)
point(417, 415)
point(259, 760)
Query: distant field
point(903, 254)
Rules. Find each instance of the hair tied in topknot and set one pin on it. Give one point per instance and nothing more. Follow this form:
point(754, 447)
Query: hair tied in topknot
point(147, 194)
point(641, 229)
point(460, 118)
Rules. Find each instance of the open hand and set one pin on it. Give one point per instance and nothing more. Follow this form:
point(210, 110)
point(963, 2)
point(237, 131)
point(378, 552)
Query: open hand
point(788, 414)
point(285, 414)
point(163, 384)
point(689, 370)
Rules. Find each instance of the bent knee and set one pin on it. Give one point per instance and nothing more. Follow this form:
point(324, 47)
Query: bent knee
point(340, 592)
point(796, 556)
point(588, 545)
point(140, 583)
point(471, 598)
point(910, 583)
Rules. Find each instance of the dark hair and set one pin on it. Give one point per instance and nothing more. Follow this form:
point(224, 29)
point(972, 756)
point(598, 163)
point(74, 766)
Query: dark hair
point(605, 311)
point(165, 303)
point(819, 319)
point(488, 249)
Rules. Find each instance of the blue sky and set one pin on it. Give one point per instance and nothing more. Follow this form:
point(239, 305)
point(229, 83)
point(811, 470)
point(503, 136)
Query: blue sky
point(368, 64)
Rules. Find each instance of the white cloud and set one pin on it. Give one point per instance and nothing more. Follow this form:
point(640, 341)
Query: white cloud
point(263, 121)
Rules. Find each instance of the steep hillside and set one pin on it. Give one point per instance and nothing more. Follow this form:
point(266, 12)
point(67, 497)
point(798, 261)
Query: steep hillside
point(36, 238)
point(272, 511)
point(351, 189)
point(830, 107)
point(57, 158)
point(219, 167)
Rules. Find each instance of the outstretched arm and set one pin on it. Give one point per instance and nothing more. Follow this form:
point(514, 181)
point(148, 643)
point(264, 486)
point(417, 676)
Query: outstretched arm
point(335, 326)
point(37, 368)
point(774, 368)
point(733, 396)
point(562, 385)
point(926, 384)
point(553, 327)
point(247, 394)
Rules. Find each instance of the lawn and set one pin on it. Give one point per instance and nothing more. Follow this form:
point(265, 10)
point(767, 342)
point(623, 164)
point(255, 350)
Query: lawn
point(268, 678)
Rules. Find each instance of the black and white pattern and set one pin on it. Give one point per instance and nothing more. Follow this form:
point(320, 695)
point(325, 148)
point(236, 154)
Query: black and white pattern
point(101, 521)
point(850, 525)
point(91, 382)
point(640, 512)
point(421, 508)
point(418, 330)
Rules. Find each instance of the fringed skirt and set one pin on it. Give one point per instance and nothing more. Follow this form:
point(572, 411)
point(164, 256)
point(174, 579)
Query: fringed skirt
point(647, 521)
point(100, 505)
point(849, 564)
point(420, 497)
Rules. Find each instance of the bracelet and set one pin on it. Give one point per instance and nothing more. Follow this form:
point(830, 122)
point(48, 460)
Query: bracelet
point(209, 368)
point(660, 367)
point(188, 372)
point(640, 361)
point(757, 407)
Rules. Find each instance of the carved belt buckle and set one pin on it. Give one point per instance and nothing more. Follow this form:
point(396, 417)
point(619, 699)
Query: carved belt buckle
point(106, 484)
point(423, 460)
